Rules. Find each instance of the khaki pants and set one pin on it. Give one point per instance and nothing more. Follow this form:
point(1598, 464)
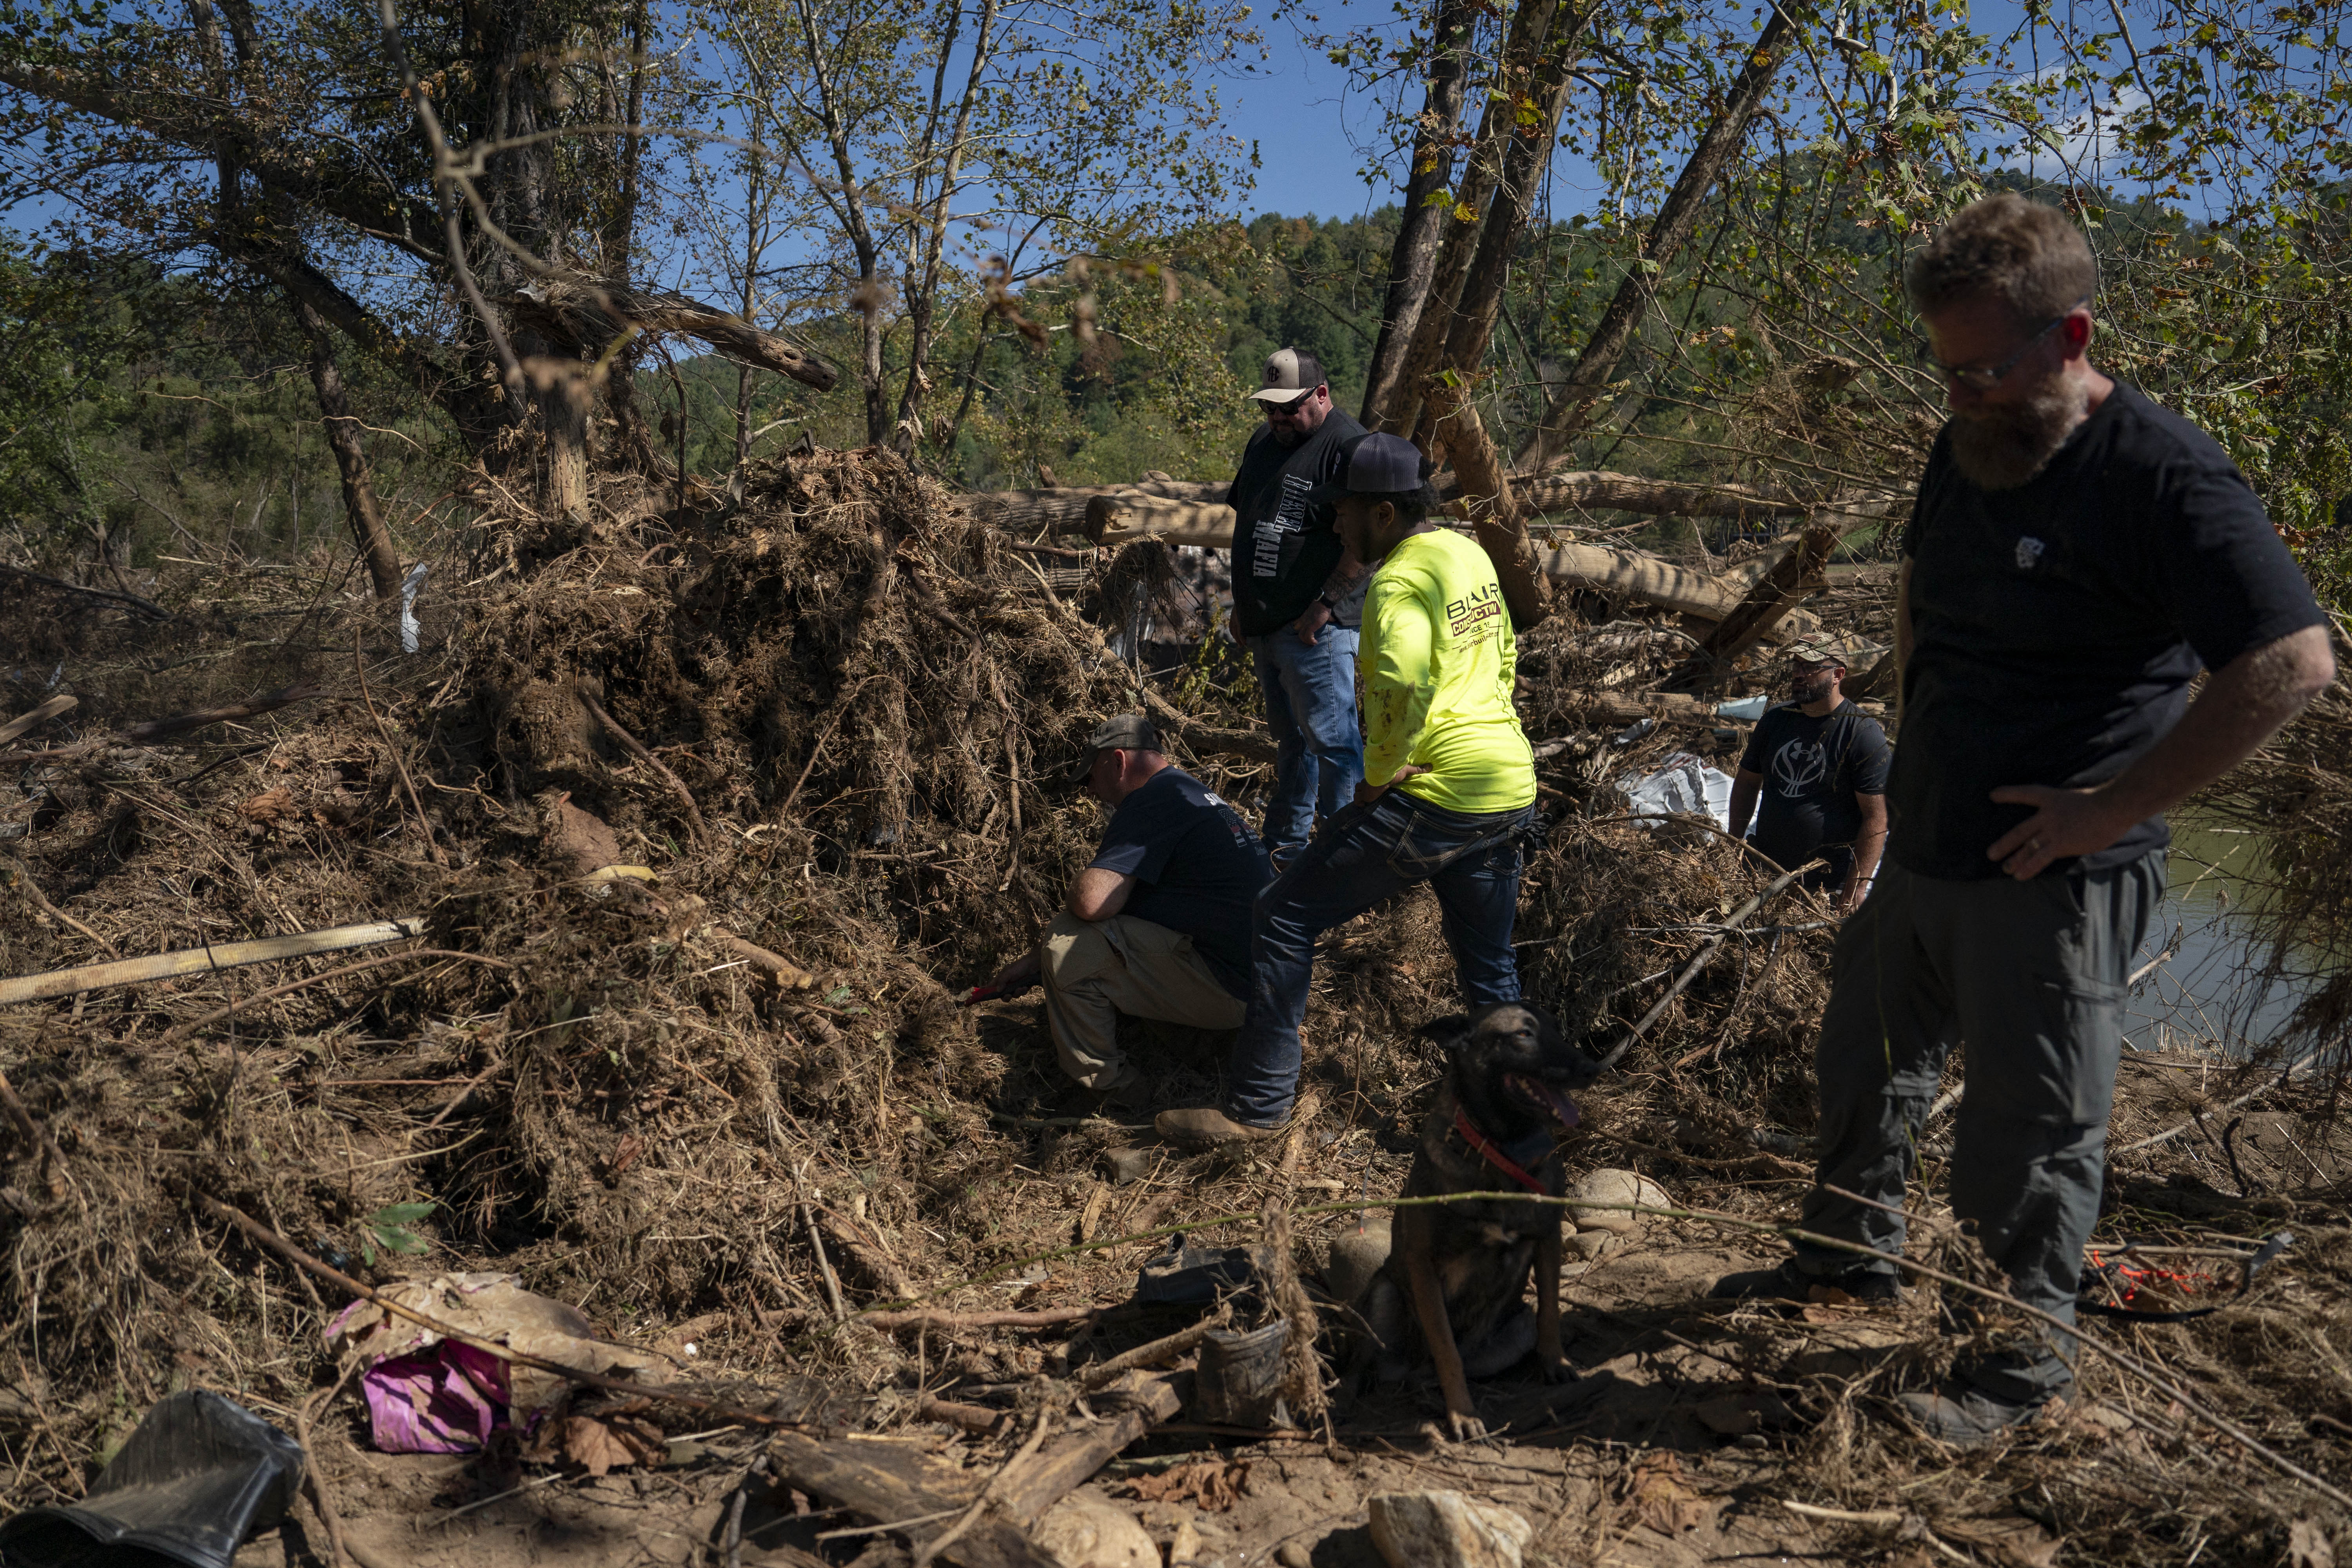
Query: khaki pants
point(1094, 971)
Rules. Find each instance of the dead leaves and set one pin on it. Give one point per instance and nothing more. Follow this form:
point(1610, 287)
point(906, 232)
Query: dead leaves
point(269, 806)
point(2012, 1541)
point(1663, 1501)
point(1211, 1486)
point(598, 1443)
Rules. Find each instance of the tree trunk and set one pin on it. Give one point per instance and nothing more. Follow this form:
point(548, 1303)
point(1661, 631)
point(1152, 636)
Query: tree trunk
point(923, 309)
point(1521, 51)
point(1523, 167)
point(1496, 520)
point(359, 504)
point(634, 438)
point(1571, 406)
point(1415, 253)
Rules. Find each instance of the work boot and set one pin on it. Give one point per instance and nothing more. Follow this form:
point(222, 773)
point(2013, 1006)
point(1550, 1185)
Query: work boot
point(1206, 1127)
point(1963, 1416)
point(1869, 1287)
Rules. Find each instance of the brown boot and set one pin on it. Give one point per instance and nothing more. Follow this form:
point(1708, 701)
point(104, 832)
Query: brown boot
point(1206, 1127)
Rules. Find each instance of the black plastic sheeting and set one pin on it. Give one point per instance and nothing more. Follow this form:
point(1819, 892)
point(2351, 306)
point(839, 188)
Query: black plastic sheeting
point(198, 1477)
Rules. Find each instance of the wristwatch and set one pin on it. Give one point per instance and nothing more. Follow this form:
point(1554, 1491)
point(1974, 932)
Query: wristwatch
point(1325, 600)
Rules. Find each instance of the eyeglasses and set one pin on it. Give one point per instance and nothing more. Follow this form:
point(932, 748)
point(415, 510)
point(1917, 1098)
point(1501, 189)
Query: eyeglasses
point(1984, 378)
point(1293, 407)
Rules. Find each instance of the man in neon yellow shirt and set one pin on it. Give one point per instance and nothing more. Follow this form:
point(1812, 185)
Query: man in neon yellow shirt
point(1449, 791)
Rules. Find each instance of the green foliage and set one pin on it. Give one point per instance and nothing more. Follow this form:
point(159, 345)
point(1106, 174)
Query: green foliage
point(387, 1230)
point(144, 415)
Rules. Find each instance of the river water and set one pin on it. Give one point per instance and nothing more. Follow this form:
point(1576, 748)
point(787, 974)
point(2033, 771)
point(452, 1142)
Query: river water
point(2209, 997)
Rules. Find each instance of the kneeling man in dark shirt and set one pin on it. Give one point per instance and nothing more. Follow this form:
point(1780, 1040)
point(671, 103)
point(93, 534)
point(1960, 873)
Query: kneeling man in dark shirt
point(1820, 763)
point(1158, 926)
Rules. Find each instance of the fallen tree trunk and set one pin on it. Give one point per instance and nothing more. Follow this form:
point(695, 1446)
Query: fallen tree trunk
point(1182, 513)
point(1594, 707)
point(1621, 573)
point(1498, 519)
point(1065, 509)
point(591, 312)
point(206, 959)
point(1770, 600)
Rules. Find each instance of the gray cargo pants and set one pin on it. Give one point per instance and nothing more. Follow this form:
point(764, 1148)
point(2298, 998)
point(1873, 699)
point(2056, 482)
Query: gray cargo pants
point(2030, 975)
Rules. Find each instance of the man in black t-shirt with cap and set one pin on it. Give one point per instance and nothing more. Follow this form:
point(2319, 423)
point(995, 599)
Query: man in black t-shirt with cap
point(1298, 598)
point(2075, 555)
point(1157, 926)
point(1818, 764)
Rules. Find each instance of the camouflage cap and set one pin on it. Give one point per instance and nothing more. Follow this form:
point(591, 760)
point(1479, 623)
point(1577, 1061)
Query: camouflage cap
point(1819, 647)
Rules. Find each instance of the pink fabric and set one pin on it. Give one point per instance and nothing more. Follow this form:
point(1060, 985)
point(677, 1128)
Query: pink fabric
point(446, 1399)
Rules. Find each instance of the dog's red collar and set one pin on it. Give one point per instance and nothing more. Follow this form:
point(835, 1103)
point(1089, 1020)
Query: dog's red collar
point(1485, 1149)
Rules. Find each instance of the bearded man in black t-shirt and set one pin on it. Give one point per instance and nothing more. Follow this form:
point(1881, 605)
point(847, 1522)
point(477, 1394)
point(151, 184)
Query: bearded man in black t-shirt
point(1818, 764)
point(2074, 555)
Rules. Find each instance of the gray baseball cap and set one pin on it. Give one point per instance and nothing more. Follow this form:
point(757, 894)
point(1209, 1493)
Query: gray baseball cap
point(1121, 731)
point(1288, 373)
point(1377, 465)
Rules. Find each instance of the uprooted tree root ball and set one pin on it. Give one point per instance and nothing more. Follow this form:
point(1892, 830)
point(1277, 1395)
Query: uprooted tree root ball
point(709, 818)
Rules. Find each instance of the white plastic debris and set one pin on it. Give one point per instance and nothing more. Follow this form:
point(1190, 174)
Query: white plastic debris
point(410, 586)
point(1683, 786)
point(1749, 708)
point(1633, 731)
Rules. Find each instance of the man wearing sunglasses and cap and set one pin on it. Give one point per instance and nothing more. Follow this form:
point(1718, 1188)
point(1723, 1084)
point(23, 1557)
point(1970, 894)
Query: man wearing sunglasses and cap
point(1157, 926)
point(1298, 598)
point(1450, 791)
point(1818, 764)
point(2075, 554)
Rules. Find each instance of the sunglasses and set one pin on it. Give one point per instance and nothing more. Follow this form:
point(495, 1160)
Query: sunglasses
point(1984, 378)
point(1293, 407)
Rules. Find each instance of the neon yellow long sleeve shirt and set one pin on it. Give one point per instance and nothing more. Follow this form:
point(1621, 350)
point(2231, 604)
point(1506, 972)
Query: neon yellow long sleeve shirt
point(1437, 658)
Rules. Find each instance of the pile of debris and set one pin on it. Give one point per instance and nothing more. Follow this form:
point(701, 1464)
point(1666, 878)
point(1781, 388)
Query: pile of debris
point(678, 845)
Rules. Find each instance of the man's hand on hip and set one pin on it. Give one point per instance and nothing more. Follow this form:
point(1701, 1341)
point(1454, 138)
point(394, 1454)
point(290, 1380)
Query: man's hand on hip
point(2068, 822)
point(1367, 790)
point(1316, 616)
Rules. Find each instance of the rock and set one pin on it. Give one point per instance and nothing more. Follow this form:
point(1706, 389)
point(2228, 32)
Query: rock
point(1186, 1547)
point(1293, 1554)
point(1356, 1256)
point(1446, 1529)
point(1742, 1415)
point(1083, 1529)
point(1591, 1245)
point(1609, 1186)
point(1134, 1164)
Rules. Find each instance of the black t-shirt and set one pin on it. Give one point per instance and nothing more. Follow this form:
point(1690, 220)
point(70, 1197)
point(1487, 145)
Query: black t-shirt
point(2057, 627)
point(1813, 769)
point(1198, 868)
point(1284, 547)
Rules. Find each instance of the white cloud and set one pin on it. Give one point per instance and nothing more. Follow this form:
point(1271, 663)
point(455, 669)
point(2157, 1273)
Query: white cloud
point(2083, 145)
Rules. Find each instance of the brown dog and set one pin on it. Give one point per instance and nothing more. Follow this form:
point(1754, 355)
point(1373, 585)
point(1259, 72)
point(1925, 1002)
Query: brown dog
point(1463, 1266)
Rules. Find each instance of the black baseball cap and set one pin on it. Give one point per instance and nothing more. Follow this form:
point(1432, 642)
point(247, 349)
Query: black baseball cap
point(1121, 731)
point(1379, 466)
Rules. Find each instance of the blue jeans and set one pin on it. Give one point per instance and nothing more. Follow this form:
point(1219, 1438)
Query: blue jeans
point(1363, 855)
point(1311, 706)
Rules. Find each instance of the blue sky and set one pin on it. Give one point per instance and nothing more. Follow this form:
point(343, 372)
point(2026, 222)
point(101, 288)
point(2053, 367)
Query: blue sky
point(1312, 129)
